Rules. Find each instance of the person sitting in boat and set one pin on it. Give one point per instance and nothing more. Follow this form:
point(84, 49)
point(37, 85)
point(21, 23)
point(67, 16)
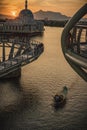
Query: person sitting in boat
point(58, 98)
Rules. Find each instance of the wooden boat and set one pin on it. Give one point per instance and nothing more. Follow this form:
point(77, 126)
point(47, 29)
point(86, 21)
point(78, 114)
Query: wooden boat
point(60, 99)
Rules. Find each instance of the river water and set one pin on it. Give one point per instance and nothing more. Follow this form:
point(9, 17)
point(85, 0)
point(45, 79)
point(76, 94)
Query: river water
point(27, 103)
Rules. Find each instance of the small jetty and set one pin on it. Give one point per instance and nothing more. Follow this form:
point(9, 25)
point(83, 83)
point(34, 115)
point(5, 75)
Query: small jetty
point(21, 51)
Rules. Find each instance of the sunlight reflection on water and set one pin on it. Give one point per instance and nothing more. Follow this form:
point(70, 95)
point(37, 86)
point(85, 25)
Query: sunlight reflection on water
point(27, 102)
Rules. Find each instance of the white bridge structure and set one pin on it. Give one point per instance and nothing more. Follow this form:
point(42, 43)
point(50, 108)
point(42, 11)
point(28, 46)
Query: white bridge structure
point(16, 53)
point(74, 42)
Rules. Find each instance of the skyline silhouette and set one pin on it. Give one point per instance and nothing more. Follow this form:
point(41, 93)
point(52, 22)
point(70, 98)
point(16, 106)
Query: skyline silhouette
point(66, 7)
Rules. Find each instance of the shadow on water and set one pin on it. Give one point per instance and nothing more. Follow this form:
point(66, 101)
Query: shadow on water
point(13, 82)
point(57, 107)
point(14, 100)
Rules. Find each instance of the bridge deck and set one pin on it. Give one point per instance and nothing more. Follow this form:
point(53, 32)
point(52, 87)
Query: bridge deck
point(81, 61)
point(12, 62)
point(29, 53)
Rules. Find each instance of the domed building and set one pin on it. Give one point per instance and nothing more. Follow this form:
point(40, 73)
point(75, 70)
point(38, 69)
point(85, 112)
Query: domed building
point(23, 24)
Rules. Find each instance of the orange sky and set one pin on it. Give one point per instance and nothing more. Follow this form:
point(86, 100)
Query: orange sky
point(67, 7)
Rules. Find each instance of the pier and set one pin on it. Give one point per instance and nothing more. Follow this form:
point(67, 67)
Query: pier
point(22, 51)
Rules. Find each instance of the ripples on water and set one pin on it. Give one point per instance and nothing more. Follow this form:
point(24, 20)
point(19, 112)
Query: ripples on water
point(27, 103)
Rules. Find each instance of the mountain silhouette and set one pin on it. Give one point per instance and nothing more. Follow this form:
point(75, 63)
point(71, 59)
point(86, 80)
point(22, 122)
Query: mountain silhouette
point(49, 15)
point(42, 15)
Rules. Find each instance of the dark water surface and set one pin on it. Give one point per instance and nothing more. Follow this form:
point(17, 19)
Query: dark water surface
point(27, 103)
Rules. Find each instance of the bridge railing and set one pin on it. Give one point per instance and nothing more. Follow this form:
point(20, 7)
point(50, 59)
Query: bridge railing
point(71, 42)
point(22, 59)
point(77, 40)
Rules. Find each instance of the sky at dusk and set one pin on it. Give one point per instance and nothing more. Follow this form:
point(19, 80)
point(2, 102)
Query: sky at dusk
point(67, 7)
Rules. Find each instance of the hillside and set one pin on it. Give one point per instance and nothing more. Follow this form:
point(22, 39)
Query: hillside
point(49, 15)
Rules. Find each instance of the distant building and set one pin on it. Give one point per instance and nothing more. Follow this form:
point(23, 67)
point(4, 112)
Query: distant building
point(23, 24)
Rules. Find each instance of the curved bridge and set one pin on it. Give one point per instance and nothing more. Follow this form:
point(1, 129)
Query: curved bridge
point(20, 52)
point(74, 42)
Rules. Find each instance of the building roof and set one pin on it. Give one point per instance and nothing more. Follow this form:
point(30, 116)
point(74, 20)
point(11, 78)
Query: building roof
point(26, 13)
